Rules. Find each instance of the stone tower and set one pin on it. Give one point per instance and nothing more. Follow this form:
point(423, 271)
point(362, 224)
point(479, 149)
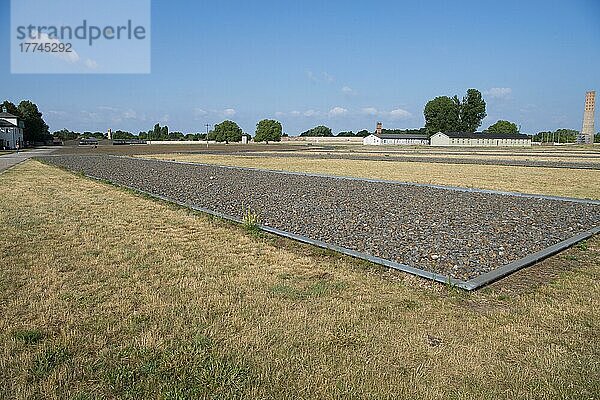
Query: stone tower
point(379, 129)
point(587, 131)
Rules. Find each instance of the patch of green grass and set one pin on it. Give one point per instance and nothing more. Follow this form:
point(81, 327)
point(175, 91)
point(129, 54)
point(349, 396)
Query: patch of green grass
point(583, 245)
point(28, 337)
point(46, 361)
point(410, 304)
point(503, 297)
point(183, 370)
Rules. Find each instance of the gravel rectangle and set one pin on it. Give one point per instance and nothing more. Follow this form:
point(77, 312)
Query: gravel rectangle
point(459, 234)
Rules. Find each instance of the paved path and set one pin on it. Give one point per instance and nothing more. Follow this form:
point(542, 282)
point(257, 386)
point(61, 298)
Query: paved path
point(9, 160)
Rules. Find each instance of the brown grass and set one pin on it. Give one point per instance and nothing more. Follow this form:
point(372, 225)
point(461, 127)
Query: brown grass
point(569, 157)
point(107, 294)
point(549, 181)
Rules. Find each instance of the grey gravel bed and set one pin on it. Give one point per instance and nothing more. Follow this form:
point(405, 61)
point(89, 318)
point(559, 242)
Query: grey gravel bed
point(415, 158)
point(454, 233)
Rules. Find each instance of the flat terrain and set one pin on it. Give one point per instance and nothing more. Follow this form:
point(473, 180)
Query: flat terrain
point(551, 181)
point(13, 158)
point(107, 294)
point(453, 233)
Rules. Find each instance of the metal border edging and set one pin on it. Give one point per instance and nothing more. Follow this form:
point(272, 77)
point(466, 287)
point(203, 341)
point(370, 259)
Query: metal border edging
point(501, 272)
point(470, 285)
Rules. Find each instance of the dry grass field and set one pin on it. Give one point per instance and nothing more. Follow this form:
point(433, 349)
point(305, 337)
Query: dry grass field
point(550, 181)
point(469, 155)
point(108, 294)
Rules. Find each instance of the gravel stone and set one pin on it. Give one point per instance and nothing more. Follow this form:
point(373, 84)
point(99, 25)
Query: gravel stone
point(453, 233)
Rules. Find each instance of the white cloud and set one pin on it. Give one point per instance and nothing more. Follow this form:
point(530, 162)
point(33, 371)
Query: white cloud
point(130, 114)
point(498, 92)
point(370, 111)
point(91, 64)
point(396, 114)
point(71, 57)
point(279, 114)
point(43, 38)
point(348, 91)
point(165, 118)
point(199, 112)
point(229, 112)
point(60, 114)
point(337, 112)
point(322, 77)
point(295, 113)
point(311, 113)
point(399, 113)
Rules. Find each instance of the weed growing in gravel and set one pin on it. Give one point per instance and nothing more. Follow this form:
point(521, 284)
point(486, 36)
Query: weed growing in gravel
point(250, 220)
point(583, 246)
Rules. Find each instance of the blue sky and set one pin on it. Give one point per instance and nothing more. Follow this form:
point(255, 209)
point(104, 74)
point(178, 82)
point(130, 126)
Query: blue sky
point(338, 63)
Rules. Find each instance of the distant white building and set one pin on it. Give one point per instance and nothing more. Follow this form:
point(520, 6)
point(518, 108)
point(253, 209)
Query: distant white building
point(399, 139)
point(483, 139)
point(396, 139)
point(11, 130)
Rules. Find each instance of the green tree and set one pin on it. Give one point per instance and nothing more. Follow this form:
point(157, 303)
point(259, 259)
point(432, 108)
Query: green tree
point(11, 108)
point(164, 133)
point(559, 135)
point(472, 111)
point(503, 127)
point(363, 133)
point(318, 131)
point(154, 134)
point(176, 136)
point(420, 131)
point(227, 131)
point(442, 114)
point(36, 129)
point(65, 134)
point(445, 114)
point(120, 135)
point(268, 130)
point(346, 134)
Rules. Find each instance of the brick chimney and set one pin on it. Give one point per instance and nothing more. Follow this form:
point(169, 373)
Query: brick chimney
point(379, 129)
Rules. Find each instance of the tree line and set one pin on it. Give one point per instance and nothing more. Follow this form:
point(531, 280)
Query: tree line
point(36, 129)
point(442, 114)
point(451, 114)
point(267, 130)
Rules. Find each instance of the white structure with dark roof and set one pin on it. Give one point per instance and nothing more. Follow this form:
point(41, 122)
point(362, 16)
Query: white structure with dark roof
point(11, 130)
point(483, 139)
point(396, 139)
point(399, 139)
